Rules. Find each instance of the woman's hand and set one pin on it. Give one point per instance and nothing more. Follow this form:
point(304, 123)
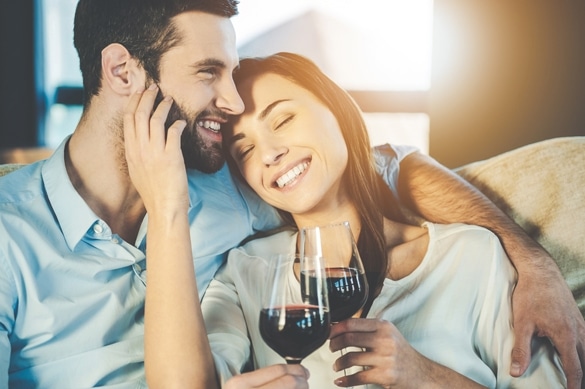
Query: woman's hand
point(155, 161)
point(389, 359)
point(271, 377)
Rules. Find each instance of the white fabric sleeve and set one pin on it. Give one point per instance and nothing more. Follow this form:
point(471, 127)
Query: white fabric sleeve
point(387, 159)
point(228, 339)
point(496, 332)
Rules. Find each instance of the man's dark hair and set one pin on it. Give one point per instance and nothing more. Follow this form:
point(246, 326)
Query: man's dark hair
point(144, 27)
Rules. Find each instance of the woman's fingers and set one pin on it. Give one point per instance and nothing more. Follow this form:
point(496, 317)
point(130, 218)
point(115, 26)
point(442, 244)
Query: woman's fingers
point(143, 113)
point(129, 125)
point(154, 160)
point(363, 333)
point(144, 124)
point(272, 377)
point(174, 134)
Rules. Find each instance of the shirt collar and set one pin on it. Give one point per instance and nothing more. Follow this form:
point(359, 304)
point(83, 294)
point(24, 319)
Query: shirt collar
point(72, 212)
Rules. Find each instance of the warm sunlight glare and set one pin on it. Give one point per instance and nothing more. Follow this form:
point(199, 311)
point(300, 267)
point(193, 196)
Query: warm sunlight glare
point(382, 44)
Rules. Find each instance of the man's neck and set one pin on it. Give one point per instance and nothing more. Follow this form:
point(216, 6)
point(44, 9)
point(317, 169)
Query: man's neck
point(95, 163)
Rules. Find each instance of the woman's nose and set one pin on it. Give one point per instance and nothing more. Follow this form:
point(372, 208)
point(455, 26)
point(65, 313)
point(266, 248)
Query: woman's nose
point(273, 154)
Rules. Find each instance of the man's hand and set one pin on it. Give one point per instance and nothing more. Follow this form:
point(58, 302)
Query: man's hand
point(560, 321)
point(272, 377)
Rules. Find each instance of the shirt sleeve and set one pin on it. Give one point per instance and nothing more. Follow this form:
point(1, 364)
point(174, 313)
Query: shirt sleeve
point(229, 340)
point(7, 305)
point(387, 159)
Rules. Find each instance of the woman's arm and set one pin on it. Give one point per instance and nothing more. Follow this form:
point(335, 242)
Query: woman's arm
point(177, 353)
point(391, 361)
point(542, 302)
point(177, 350)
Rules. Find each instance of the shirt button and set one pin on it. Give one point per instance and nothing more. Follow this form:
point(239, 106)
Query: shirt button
point(115, 240)
point(137, 268)
point(98, 229)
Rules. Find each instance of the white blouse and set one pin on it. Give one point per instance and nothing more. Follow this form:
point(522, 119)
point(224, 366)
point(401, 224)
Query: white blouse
point(454, 308)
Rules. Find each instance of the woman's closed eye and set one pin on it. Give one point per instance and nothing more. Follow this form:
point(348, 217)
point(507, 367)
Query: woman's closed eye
point(243, 152)
point(285, 120)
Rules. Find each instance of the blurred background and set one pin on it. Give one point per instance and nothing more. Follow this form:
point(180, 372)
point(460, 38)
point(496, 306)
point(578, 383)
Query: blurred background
point(463, 80)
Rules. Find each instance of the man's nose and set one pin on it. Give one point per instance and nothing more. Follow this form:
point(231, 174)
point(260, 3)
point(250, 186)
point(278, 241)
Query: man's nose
point(228, 98)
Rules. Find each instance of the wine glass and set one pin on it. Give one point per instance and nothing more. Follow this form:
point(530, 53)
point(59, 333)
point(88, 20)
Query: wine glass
point(292, 323)
point(347, 286)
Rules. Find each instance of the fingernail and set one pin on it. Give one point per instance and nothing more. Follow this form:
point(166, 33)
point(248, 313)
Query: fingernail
point(515, 369)
point(152, 87)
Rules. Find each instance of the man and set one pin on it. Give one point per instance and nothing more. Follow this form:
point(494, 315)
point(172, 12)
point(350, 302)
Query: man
point(72, 262)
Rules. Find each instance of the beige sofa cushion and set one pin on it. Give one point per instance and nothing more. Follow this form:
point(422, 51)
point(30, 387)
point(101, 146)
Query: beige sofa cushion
point(9, 167)
point(542, 187)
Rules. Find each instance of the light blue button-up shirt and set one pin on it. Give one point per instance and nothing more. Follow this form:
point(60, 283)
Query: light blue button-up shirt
point(72, 292)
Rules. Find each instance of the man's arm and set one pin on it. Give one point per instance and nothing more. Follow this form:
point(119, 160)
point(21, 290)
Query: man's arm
point(7, 317)
point(542, 302)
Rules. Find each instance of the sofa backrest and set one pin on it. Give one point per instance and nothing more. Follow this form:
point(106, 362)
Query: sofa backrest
point(542, 187)
point(8, 167)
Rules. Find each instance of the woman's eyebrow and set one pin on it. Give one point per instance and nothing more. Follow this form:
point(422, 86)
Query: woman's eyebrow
point(261, 116)
point(235, 138)
point(266, 111)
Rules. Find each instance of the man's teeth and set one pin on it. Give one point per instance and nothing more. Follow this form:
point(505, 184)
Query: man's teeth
point(293, 173)
point(210, 125)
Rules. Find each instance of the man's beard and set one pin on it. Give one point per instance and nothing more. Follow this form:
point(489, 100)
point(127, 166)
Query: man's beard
point(197, 154)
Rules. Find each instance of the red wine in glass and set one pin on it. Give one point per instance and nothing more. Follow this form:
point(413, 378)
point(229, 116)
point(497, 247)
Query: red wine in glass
point(291, 323)
point(347, 289)
point(345, 279)
point(346, 282)
point(294, 331)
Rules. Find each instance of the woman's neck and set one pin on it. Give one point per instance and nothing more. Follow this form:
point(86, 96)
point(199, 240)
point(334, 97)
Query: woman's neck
point(406, 247)
point(344, 212)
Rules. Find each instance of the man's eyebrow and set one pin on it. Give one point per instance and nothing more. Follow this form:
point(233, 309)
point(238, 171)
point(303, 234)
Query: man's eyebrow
point(209, 62)
point(266, 111)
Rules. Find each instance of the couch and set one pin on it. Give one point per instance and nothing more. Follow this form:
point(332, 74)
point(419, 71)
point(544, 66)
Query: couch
point(542, 187)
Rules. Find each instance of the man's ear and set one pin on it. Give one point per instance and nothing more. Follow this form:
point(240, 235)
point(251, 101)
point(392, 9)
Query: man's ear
point(120, 71)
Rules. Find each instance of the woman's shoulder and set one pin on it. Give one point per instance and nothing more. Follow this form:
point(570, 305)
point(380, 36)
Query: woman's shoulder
point(466, 246)
point(465, 234)
point(267, 243)
point(245, 263)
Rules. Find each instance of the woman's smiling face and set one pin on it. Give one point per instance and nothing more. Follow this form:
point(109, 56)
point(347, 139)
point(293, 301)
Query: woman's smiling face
point(288, 146)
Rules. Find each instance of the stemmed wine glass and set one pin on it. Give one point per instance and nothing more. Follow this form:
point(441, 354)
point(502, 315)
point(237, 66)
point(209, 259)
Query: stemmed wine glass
point(292, 323)
point(347, 286)
point(346, 281)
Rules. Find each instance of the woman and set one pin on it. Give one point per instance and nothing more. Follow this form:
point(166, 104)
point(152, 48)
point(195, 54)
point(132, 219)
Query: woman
point(440, 308)
point(302, 146)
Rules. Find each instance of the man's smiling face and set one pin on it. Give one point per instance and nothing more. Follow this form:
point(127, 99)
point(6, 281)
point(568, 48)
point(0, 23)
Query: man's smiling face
point(197, 73)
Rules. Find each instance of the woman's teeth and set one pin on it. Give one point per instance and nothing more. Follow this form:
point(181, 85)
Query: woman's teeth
point(290, 176)
point(210, 125)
